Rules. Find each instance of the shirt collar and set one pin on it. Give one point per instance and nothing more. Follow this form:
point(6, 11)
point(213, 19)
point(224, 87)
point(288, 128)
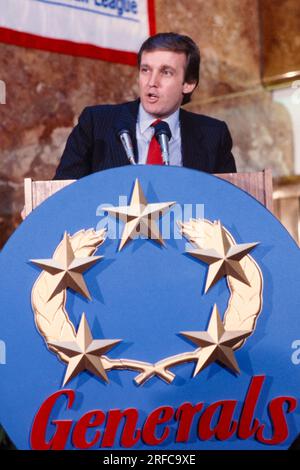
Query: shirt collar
point(145, 120)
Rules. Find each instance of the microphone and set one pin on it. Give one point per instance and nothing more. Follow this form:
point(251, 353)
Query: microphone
point(124, 134)
point(163, 135)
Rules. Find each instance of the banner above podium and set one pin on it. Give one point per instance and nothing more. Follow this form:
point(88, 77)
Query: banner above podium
point(150, 308)
point(111, 30)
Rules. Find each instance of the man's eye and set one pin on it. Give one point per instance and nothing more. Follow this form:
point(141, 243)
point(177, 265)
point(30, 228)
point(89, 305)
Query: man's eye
point(144, 69)
point(167, 72)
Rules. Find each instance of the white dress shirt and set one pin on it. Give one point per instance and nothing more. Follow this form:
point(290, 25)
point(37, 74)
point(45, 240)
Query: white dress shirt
point(144, 134)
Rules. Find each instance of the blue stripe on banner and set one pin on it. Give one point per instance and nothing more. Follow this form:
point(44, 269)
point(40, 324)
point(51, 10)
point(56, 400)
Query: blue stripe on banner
point(57, 3)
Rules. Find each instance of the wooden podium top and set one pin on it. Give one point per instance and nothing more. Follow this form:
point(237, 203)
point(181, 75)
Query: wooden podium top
point(258, 184)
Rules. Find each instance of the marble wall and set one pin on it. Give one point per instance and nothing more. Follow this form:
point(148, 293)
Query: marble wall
point(280, 40)
point(47, 91)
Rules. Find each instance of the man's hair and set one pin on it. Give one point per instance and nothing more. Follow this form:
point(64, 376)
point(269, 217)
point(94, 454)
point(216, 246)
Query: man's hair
point(176, 43)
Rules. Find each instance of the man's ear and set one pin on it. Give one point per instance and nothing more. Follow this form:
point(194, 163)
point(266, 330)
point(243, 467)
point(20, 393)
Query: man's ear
point(188, 87)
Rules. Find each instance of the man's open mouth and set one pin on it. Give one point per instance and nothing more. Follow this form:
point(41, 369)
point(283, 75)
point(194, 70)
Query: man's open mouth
point(152, 97)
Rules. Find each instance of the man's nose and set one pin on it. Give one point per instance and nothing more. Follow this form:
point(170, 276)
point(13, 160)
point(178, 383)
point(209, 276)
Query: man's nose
point(153, 79)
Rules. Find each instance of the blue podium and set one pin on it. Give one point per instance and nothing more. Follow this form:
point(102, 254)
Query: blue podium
point(150, 308)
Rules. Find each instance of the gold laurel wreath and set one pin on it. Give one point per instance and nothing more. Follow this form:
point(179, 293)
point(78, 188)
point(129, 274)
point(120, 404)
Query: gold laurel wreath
point(245, 302)
point(51, 317)
point(244, 306)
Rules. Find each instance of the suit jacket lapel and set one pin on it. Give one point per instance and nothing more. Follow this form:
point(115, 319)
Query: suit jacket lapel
point(132, 114)
point(191, 137)
point(128, 115)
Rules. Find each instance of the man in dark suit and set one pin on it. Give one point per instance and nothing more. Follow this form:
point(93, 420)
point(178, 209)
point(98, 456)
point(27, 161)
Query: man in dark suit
point(168, 74)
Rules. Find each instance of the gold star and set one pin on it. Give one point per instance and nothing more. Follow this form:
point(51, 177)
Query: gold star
point(85, 352)
point(66, 269)
point(139, 217)
point(216, 343)
point(225, 260)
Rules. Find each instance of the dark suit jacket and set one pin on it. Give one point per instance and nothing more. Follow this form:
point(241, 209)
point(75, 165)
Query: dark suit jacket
point(93, 145)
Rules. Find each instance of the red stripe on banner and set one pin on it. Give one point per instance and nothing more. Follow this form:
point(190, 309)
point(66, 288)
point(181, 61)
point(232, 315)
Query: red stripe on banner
point(18, 38)
point(151, 15)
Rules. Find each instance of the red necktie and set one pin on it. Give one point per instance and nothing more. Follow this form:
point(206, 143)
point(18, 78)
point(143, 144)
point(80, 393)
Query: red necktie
point(154, 156)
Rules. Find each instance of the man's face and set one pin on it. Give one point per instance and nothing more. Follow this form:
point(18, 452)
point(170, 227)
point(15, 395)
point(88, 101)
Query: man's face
point(161, 82)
